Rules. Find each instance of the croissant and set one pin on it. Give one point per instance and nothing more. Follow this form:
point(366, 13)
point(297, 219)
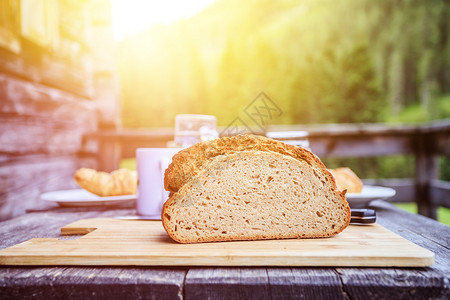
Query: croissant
point(346, 179)
point(116, 183)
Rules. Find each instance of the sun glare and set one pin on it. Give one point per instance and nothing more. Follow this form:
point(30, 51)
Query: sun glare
point(132, 16)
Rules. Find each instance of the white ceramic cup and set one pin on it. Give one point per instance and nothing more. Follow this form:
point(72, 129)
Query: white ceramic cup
point(151, 164)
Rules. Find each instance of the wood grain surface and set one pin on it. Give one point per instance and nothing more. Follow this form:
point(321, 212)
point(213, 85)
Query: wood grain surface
point(111, 242)
point(134, 282)
point(24, 178)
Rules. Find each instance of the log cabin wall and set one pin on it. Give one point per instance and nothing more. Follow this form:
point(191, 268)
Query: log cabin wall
point(56, 85)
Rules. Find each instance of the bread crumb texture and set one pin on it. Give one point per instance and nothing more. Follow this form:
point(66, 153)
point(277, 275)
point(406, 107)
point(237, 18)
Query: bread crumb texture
point(253, 195)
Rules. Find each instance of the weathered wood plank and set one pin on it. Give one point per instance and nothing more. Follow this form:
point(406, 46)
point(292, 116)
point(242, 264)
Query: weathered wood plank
point(262, 283)
point(404, 188)
point(28, 135)
point(305, 283)
point(29, 98)
point(315, 283)
point(356, 129)
point(425, 171)
point(39, 65)
point(406, 192)
point(369, 283)
point(109, 156)
point(440, 192)
point(91, 283)
point(24, 178)
point(116, 144)
point(227, 283)
point(441, 143)
point(35, 118)
point(342, 140)
point(360, 146)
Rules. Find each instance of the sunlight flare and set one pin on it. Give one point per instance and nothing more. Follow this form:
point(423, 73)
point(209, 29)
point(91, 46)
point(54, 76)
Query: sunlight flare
point(132, 16)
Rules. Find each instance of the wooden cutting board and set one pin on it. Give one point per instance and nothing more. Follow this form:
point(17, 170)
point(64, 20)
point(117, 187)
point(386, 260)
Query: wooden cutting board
point(144, 243)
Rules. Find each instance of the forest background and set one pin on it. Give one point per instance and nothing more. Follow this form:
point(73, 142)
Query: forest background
point(320, 61)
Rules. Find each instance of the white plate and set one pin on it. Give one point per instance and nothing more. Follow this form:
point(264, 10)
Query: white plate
point(81, 197)
point(368, 194)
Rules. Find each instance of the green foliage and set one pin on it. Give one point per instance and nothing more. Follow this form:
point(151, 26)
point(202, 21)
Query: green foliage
point(320, 61)
point(411, 114)
point(395, 166)
point(444, 107)
point(128, 163)
point(443, 213)
point(444, 168)
point(409, 207)
point(416, 113)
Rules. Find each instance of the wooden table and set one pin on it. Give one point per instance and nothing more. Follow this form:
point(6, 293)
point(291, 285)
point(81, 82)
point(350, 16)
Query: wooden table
point(225, 282)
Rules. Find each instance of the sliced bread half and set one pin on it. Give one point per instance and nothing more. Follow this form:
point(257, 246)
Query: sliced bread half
point(252, 195)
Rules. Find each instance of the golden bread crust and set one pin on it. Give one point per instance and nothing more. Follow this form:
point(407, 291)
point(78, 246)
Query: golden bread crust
point(190, 161)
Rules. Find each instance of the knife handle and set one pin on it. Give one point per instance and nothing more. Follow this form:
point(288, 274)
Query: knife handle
point(363, 216)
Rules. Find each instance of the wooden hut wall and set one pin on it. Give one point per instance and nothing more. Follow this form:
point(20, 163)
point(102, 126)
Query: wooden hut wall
point(47, 97)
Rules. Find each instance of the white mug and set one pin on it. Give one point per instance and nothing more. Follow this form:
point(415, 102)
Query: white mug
point(151, 165)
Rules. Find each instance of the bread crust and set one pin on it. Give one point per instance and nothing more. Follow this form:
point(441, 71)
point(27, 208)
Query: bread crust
point(191, 161)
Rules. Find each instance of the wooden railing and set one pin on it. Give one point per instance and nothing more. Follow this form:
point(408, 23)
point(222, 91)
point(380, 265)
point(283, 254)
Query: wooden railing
point(424, 142)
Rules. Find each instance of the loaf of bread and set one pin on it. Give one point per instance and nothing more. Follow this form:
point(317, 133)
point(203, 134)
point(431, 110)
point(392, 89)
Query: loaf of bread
point(116, 183)
point(346, 179)
point(273, 191)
